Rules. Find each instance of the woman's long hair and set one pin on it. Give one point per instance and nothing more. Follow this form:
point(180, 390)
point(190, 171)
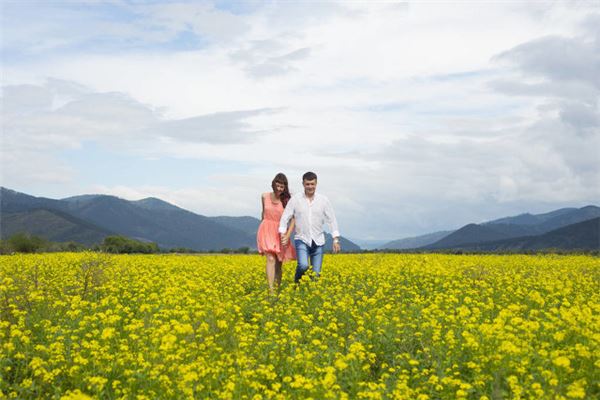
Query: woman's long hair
point(285, 195)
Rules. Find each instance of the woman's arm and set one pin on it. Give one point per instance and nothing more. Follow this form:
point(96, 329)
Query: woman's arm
point(288, 213)
point(262, 213)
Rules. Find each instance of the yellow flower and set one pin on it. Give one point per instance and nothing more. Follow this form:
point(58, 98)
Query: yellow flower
point(75, 395)
point(562, 361)
point(178, 326)
point(222, 324)
point(340, 364)
point(108, 333)
point(576, 390)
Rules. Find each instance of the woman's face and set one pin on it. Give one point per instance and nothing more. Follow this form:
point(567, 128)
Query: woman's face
point(279, 188)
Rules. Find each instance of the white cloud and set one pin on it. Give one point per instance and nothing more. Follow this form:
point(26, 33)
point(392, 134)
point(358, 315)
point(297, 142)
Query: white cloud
point(416, 117)
point(41, 121)
point(201, 18)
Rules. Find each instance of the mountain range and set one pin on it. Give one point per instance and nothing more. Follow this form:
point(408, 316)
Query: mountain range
point(566, 228)
point(88, 219)
point(579, 236)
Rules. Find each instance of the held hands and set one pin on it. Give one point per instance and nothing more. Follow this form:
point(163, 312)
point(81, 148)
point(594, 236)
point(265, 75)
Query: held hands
point(285, 239)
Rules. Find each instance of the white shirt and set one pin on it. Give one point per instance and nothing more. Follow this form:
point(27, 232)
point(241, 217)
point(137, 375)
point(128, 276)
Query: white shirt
point(310, 217)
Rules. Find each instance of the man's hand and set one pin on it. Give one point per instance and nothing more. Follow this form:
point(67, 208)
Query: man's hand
point(285, 239)
point(336, 246)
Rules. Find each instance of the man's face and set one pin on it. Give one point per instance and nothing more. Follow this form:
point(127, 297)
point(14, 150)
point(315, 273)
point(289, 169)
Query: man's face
point(310, 187)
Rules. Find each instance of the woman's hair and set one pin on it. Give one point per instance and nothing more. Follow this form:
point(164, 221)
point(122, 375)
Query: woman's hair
point(285, 195)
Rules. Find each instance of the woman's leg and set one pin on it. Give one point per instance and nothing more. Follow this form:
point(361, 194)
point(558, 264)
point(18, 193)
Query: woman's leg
point(271, 260)
point(278, 273)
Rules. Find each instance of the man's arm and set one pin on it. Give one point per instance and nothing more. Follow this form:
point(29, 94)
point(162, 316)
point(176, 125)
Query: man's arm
point(291, 227)
point(332, 221)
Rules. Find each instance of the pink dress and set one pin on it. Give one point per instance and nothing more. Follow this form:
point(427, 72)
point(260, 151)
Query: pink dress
point(267, 237)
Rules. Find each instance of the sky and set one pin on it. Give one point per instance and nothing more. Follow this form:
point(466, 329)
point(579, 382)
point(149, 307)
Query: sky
point(416, 116)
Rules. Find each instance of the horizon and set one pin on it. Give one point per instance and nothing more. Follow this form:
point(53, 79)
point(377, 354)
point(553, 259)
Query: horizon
point(416, 117)
point(365, 244)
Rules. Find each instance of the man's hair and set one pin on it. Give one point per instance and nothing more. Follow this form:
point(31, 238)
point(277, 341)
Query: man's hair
point(309, 176)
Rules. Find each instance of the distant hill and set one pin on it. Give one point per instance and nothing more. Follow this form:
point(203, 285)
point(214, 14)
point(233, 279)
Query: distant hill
point(520, 226)
point(80, 198)
point(415, 241)
point(573, 217)
point(528, 224)
point(468, 234)
point(579, 236)
point(53, 225)
point(89, 218)
point(531, 219)
point(152, 203)
point(12, 201)
point(248, 225)
point(147, 220)
point(167, 225)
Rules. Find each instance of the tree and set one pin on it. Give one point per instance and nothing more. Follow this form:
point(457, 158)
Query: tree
point(24, 243)
point(124, 245)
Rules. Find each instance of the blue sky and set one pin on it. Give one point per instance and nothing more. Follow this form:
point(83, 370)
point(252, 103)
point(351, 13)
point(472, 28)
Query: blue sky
point(416, 116)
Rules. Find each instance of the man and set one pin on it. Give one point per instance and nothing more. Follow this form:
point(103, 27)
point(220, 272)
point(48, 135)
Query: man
point(310, 211)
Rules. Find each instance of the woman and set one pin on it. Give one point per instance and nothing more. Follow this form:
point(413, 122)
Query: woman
point(267, 239)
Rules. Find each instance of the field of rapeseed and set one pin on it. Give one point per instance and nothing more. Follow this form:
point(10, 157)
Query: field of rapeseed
point(374, 326)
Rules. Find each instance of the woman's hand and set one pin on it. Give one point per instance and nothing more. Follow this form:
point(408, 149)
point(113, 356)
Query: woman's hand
point(285, 239)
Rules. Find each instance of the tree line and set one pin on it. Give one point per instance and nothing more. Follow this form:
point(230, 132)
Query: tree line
point(26, 243)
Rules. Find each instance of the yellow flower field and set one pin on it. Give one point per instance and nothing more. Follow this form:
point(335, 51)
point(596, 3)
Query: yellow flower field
point(373, 327)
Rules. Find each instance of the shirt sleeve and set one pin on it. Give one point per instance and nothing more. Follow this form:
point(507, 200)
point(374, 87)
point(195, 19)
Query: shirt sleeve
point(288, 213)
point(331, 220)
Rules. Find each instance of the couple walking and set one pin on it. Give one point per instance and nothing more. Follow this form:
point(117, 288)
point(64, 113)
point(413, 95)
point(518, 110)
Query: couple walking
point(305, 213)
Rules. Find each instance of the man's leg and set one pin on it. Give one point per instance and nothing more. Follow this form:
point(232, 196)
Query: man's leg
point(316, 258)
point(302, 258)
